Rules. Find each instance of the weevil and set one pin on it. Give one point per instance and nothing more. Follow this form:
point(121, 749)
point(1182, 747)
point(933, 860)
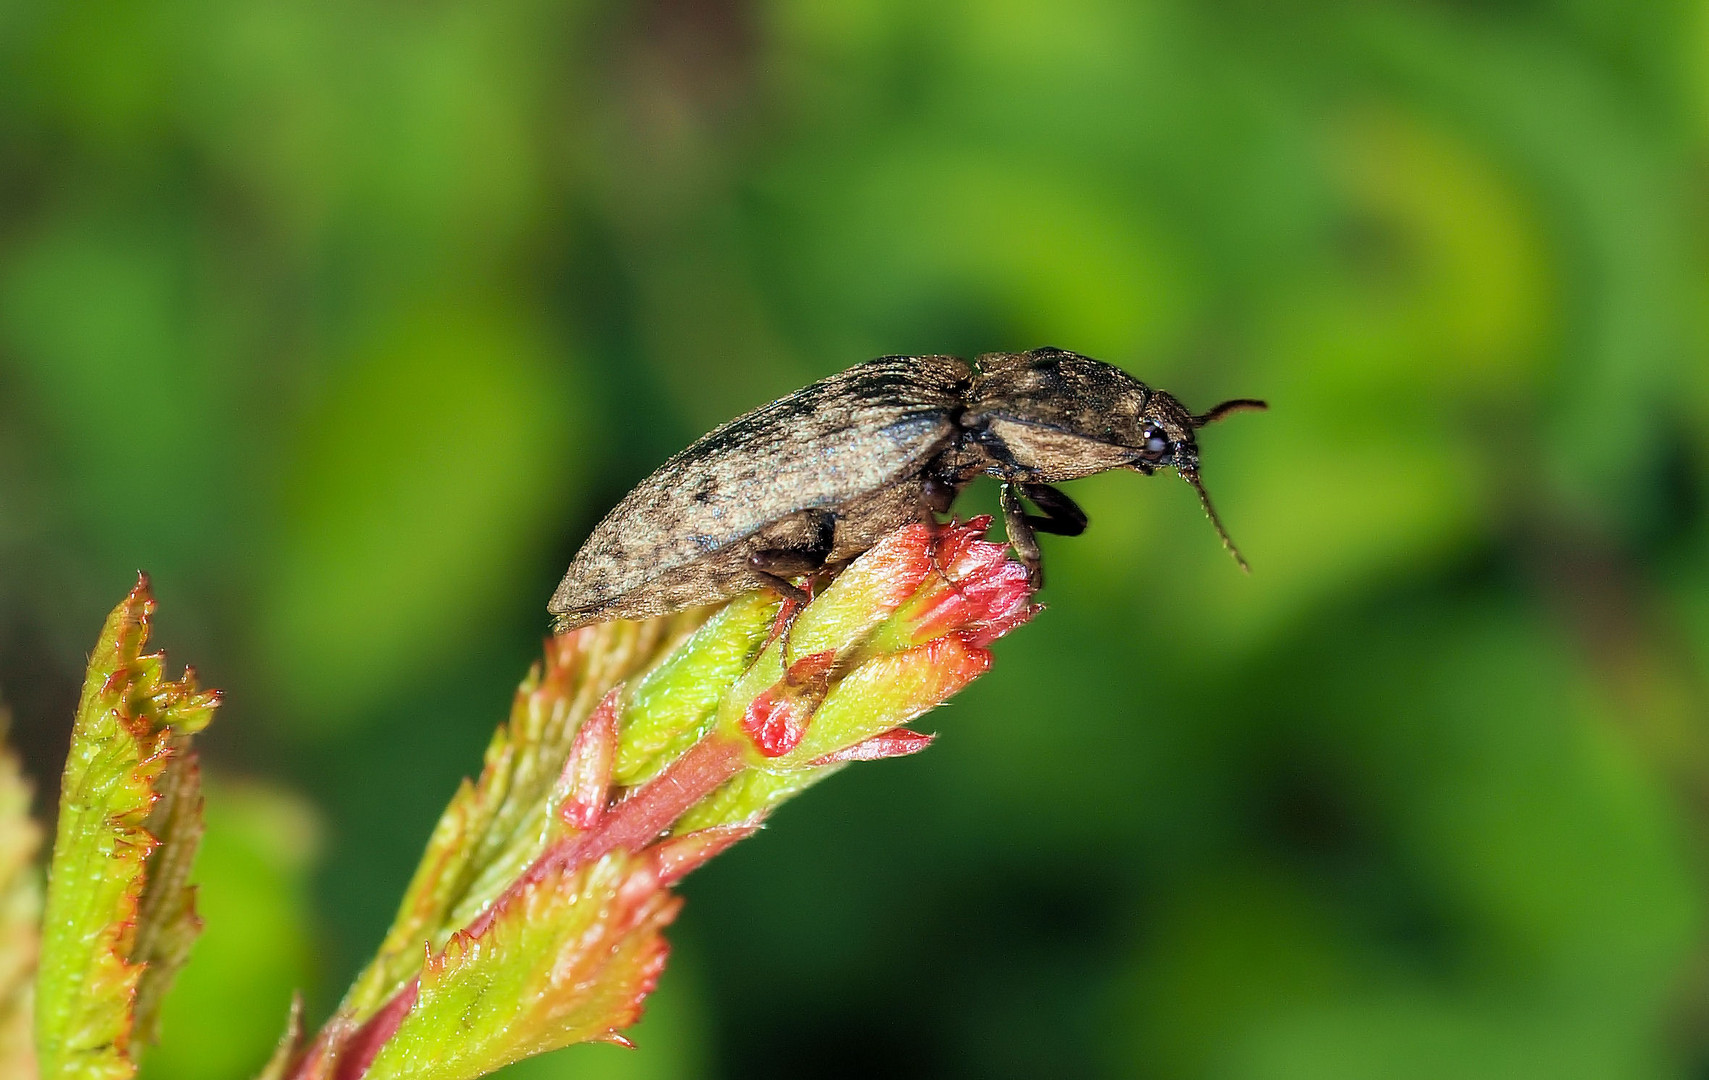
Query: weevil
point(815, 478)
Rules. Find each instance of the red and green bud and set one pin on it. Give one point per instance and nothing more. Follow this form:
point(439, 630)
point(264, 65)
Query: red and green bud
point(638, 752)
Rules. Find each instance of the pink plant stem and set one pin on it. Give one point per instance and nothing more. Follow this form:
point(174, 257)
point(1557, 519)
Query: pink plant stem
point(631, 825)
point(364, 1045)
point(639, 818)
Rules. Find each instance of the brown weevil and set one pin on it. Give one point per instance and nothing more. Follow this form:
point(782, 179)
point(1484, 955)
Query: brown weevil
point(815, 478)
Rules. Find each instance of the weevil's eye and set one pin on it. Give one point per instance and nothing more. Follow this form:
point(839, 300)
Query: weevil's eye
point(1154, 445)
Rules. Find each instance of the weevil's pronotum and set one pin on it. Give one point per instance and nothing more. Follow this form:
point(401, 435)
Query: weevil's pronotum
point(815, 478)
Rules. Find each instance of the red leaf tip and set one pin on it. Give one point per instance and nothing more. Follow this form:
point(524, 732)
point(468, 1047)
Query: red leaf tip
point(777, 718)
point(678, 855)
point(897, 742)
point(981, 594)
point(585, 784)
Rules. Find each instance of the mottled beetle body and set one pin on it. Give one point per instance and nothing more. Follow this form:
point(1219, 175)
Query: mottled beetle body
point(817, 477)
point(811, 478)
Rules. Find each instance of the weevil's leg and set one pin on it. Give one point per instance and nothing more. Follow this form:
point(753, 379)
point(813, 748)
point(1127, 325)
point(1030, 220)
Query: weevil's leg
point(1062, 515)
point(794, 596)
point(772, 567)
point(1021, 538)
point(796, 545)
point(775, 568)
point(779, 583)
point(937, 495)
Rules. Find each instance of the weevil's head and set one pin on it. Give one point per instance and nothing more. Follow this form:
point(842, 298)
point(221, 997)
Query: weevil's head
point(1050, 415)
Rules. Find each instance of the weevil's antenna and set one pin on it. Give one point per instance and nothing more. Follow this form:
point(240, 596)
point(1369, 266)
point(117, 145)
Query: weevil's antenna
point(1236, 405)
point(1192, 477)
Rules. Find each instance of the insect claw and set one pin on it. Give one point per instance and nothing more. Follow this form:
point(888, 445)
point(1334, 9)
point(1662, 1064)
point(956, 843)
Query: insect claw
point(781, 626)
point(795, 601)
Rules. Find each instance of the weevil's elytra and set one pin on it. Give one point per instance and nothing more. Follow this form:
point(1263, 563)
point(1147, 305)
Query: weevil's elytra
point(817, 477)
point(814, 477)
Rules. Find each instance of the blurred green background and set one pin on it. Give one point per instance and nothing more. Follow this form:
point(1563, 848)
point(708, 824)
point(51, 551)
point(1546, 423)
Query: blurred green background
point(346, 321)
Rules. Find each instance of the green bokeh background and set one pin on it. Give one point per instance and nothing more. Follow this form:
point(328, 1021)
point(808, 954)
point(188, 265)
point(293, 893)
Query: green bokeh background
point(347, 320)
